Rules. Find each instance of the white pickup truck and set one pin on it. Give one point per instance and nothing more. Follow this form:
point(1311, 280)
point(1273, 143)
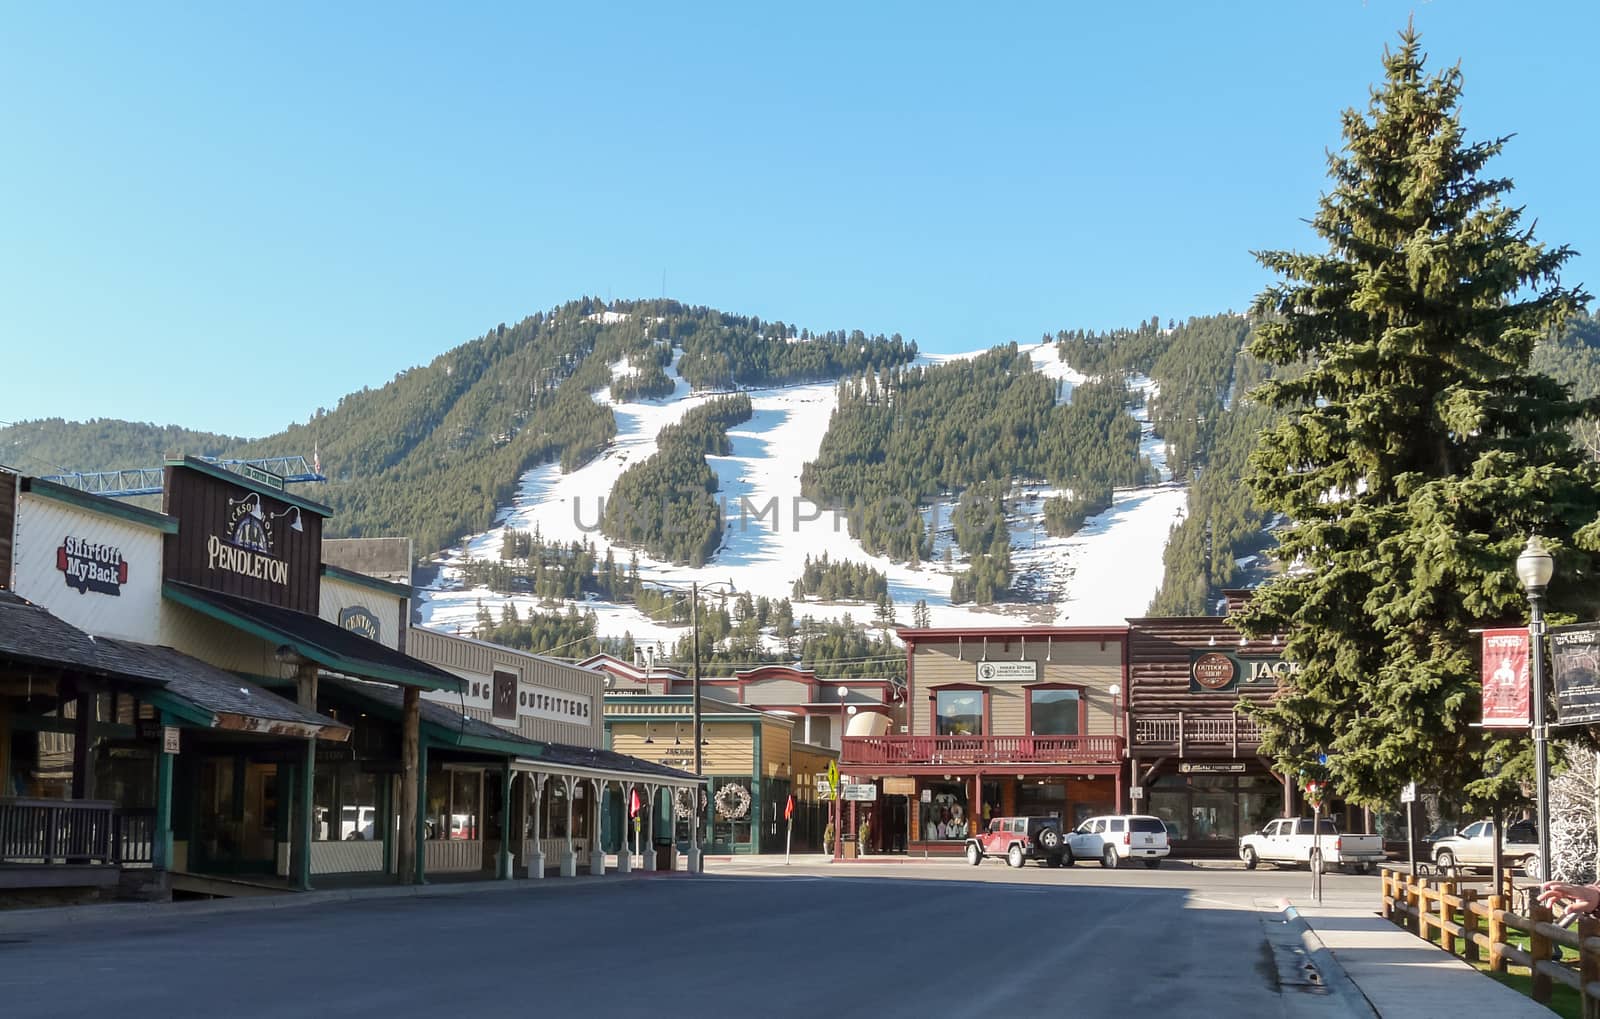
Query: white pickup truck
point(1290, 840)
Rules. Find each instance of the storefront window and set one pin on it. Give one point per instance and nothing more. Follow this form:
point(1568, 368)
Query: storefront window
point(1054, 712)
point(731, 814)
point(958, 712)
point(944, 816)
point(453, 804)
point(346, 801)
point(554, 810)
point(1214, 807)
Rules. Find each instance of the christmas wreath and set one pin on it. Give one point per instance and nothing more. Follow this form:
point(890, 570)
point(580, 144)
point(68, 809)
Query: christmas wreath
point(733, 801)
point(683, 804)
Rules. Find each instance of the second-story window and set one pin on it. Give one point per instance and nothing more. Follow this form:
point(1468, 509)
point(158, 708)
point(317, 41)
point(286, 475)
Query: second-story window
point(958, 713)
point(1054, 712)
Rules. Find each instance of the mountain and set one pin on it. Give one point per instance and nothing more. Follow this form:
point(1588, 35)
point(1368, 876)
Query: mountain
point(562, 470)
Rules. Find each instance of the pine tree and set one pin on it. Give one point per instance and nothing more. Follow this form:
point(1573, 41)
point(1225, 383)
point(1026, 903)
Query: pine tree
point(1415, 452)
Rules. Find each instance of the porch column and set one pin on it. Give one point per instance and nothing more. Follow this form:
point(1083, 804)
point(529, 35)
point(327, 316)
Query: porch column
point(410, 726)
point(420, 812)
point(597, 849)
point(386, 820)
point(83, 748)
point(1288, 795)
point(302, 849)
point(625, 847)
point(504, 872)
point(975, 823)
point(536, 857)
point(569, 858)
point(1119, 790)
point(647, 848)
point(161, 838)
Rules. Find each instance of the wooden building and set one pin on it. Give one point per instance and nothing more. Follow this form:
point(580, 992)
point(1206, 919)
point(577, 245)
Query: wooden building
point(1001, 721)
point(1195, 755)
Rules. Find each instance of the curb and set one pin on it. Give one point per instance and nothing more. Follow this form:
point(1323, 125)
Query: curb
point(1333, 974)
point(52, 918)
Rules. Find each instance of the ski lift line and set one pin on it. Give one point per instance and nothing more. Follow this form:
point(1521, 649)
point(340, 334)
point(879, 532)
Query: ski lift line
point(136, 481)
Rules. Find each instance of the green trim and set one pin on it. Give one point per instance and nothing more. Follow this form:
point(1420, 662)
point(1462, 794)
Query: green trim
point(302, 845)
point(182, 710)
point(161, 850)
point(223, 474)
point(318, 654)
point(101, 504)
point(352, 577)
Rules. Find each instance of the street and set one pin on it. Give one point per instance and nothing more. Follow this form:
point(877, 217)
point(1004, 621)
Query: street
point(750, 938)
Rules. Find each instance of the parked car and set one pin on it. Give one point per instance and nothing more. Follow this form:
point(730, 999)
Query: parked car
point(1114, 838)
point(1018, 840)
point(1474, 847)
point(1290, 841)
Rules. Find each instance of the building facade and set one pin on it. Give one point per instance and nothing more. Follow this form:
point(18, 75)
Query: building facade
point(1000, 721)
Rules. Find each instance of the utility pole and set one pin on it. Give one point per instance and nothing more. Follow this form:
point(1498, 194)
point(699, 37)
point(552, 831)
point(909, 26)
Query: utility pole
point(694, 809)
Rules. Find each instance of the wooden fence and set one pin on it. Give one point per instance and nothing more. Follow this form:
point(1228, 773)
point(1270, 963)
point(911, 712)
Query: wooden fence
point(1467, 922)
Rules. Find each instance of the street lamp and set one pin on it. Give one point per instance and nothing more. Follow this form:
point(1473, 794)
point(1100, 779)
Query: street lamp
point(1534, 568)
point(839, 810)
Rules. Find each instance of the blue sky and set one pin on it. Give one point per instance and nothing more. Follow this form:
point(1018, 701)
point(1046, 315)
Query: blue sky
point(227, 219)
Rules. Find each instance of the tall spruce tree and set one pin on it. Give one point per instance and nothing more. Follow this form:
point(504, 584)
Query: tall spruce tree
point(1415, 453)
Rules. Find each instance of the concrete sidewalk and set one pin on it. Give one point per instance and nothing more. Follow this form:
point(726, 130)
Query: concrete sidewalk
point(1400, 975)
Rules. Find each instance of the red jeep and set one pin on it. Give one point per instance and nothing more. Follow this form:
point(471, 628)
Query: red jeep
point(1019, 839)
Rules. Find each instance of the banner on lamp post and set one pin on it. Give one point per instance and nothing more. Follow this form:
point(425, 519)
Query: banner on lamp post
point(1505, 679)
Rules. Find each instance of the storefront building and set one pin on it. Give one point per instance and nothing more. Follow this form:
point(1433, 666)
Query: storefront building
point(1195, 756)
point(750, 761)
point(196, 693)
point(1002, 721)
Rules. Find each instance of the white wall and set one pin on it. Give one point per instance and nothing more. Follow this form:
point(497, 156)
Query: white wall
point(43, 527)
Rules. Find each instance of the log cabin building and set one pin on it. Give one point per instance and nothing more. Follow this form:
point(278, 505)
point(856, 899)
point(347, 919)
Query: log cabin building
point(1194, 755)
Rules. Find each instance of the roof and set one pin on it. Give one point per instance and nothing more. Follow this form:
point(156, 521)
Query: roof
point(31, 634)
point(212, 689)
point(330, 646)
point(910, 635)
point(482, 735)
point(200, 692)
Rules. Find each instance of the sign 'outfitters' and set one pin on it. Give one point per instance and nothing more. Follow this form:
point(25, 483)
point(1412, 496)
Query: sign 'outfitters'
point(91, 566)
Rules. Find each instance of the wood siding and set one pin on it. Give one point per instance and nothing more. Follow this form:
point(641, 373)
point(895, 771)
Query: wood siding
point(478, 660)
point(777, 691)
point(1159, 655)
point(201, 502)
point(1094, 664)
point(8, 525)
point(338, 595)
point(729, 749)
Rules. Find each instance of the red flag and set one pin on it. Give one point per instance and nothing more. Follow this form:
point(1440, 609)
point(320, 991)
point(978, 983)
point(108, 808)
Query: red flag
point(633, 808)
point(788, 809)
point(1505, 677)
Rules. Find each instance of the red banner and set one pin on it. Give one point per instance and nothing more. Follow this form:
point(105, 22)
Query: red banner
point(1505, 679)
point(788, 809)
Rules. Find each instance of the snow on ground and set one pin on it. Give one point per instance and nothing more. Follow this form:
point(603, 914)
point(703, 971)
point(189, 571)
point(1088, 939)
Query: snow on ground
point(1106, 572)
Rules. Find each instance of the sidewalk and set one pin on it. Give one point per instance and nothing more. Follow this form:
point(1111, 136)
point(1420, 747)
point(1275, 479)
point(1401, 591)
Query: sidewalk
point(1402, 976)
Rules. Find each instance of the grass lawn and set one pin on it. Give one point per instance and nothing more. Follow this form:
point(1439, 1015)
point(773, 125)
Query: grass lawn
point(1564, 1001)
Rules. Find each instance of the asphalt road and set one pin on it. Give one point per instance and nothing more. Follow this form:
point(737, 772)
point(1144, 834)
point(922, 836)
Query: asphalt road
point(886, 940)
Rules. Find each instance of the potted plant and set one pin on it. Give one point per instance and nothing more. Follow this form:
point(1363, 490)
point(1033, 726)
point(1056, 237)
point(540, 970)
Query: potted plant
point(827, 839)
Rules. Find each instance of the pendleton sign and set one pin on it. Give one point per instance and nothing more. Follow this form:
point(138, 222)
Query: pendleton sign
point(1220, 671)
point(241, 537)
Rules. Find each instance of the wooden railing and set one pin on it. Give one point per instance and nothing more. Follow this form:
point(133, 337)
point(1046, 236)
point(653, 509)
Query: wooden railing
point(911, 750)
point(50, 831)
point(1183, 732)
point(136, 829)
point(1467, 923)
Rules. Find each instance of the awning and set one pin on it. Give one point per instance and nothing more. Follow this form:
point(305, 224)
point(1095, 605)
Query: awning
point(31, 635)
point(587, 762)
point(314, 638)
point(441, 725)
point(203, 694)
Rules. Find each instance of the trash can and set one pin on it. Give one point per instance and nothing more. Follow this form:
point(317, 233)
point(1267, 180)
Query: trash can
point(664, 854)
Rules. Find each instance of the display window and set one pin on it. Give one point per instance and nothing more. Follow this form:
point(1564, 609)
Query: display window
point(945, 814)
point(958, 712)
point(1205, 808)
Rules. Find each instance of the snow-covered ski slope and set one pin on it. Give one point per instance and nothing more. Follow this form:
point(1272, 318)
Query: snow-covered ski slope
point(1105, 573)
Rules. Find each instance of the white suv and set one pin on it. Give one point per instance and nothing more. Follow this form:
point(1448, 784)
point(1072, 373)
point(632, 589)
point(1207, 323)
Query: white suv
point(1113, 838)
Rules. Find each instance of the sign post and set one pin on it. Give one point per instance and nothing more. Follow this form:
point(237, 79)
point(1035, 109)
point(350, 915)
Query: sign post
point(838, 813)
point(1408, 796)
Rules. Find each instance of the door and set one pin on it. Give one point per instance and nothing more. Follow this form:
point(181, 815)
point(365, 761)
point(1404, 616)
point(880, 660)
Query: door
point(237, 817)
point(1088, 839)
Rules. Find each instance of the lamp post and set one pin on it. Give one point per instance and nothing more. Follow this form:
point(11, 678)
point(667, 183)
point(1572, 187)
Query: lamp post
point(838, 810)
point(1534, 568)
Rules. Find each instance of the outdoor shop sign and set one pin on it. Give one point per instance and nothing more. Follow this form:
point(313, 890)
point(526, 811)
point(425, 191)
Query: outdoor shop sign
point(1222, 671)
point(236, 537)
point(92, 566)
point(1505, 678)
point(1008, 672)
point(1212, 768)
point(860, 792)
point(359, 619)
point(1575, 657)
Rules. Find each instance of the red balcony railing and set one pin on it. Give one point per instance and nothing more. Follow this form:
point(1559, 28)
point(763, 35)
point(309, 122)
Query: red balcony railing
point(913, 750)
